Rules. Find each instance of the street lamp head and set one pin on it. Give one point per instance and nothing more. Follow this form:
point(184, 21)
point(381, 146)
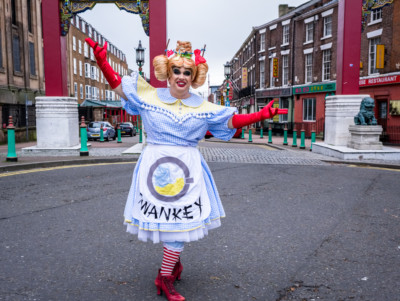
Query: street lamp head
point(227, 69)
point(140, 54)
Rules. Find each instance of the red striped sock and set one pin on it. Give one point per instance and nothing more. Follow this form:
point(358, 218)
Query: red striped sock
point(170, 258)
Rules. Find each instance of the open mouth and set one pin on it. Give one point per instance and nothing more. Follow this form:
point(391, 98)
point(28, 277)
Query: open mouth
point(181, 84)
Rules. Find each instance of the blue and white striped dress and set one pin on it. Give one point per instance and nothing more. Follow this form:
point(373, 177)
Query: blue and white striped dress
point(174, 122)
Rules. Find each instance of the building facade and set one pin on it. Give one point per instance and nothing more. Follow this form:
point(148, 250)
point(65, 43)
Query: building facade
point(295, 64)
point(21, 61)
point(22, 69)
point(86, 82)
point(243, 82)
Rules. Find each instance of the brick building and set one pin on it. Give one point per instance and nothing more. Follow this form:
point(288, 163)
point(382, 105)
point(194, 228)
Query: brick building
point(243, 79)
point(86, 81)
point(315, 64)
point(383, 84)
point(295, 64)
point(22, 68)
point(21, 62)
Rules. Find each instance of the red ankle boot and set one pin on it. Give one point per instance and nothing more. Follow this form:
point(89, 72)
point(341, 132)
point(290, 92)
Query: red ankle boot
point(177, 271)
point(166, 284)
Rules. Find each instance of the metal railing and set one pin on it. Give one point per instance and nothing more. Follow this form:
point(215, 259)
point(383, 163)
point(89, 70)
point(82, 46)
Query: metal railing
point(18, 113)
point(318, 126)
point(392, 134)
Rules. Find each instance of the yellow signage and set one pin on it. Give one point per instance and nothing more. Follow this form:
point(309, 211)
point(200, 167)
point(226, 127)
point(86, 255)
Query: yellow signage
point(275, 67)
point(276, 105)
point(380, 56)
point(244, 77)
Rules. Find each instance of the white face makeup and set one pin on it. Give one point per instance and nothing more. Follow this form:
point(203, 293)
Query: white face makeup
point(180, 82)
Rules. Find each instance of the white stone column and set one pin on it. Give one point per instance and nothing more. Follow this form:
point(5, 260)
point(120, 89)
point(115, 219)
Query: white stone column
point(339, 115)
point(57, 122)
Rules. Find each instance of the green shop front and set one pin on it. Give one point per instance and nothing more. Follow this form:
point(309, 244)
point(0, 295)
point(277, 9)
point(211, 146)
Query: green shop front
point(309, 106)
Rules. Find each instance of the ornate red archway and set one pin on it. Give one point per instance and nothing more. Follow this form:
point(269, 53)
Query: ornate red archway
point(56, 16)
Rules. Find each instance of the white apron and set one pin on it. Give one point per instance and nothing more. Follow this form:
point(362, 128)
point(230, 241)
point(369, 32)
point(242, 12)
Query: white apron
point(171, 186)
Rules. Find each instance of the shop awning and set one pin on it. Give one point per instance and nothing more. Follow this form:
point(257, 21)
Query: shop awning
point(110, 104)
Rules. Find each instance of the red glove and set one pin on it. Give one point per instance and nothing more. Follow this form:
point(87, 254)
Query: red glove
point(241, 120)
point(100, 53)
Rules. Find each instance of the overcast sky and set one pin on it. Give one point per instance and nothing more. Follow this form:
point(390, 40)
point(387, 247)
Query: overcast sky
point(222, 25)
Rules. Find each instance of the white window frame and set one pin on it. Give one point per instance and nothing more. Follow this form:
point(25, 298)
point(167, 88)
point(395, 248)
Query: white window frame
point(79, 46)
point(327, 26)
point(285, 70)
point(85, 50)
point(271, 72)
point(309, 32)
point(285, 34)
point(80, 68)
point(94, 93)
point(76, 90)
point(77, 21)
point(372, 55)
point(75, 69)
point(87, 70)
point(376, 16)
point(326, 64)
point(262, 74)
point(73, 43)
point(262, 41)
point(93, 71)
point(88, 91)
point(81, 90)
point(309, 109)
point(308, 61)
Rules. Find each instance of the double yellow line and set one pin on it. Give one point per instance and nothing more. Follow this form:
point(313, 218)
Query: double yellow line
point(21, 172)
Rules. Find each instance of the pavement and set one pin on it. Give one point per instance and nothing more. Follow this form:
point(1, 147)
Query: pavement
point(100, 152)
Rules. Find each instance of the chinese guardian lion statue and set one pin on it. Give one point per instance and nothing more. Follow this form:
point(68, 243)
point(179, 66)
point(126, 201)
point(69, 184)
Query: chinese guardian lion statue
point(366, 116)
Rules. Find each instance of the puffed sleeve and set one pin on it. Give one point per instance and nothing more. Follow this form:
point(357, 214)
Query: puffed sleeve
point(130, 88)
point(218, 123)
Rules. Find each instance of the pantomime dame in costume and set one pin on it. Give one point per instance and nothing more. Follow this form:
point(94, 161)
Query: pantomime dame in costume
point(173, 198)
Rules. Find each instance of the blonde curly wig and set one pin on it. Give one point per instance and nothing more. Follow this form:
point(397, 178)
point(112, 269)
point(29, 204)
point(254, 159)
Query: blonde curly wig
point(163, 65)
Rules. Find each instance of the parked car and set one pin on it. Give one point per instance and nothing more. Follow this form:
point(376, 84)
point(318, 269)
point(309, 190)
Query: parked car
point(127, 128)
point(238, 134)
point(93, 130)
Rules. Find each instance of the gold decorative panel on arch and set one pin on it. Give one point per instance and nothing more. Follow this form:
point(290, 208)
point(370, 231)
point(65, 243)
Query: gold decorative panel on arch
point(69, 8)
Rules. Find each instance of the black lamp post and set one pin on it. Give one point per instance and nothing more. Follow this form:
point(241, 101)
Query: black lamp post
point(140, 62)
point(227, 72)
point(140, 56)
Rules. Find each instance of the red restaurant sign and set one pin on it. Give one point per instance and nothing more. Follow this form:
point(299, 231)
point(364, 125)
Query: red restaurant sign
point(384, 80)
point(230, 91)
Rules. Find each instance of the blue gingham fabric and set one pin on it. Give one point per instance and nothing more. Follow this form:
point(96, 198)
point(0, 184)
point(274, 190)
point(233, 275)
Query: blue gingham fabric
point(171, 121)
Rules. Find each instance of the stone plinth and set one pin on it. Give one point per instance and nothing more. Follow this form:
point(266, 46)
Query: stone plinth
point(339, 115)
point(346, 153)
point(365, 137)
point(57, 122)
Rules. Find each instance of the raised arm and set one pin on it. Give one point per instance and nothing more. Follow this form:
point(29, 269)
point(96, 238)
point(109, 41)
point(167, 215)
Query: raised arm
point(241, 120)
point(111, 76)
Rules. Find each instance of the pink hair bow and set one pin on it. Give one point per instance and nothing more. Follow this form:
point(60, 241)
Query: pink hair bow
point(169, 53)
point(198, 58)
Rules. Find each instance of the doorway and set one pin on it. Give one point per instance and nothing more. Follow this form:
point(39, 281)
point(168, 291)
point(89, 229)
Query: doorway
point(382, 117)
